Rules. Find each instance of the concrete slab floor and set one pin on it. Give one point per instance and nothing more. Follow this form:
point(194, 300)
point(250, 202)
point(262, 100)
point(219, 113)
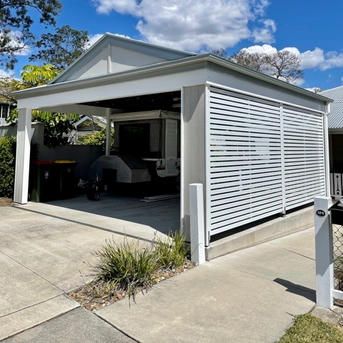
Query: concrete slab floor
point(46, 250)
point(248, 296)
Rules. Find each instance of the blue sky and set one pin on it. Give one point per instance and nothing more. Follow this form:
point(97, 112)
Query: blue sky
point(314, 28)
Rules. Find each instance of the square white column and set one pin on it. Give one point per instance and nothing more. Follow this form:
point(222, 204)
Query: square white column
point(22, 166)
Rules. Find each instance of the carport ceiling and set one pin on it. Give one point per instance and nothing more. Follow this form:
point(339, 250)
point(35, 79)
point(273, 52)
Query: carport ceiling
point(163, 101)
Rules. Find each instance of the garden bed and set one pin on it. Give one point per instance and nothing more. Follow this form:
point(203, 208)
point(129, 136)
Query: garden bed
point(5, 201)
point(125, 269)
point(98, 294)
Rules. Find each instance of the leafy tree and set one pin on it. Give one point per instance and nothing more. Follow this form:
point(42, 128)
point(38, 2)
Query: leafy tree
point(62, 47)
point(96, 138)
point(57, 126)
point(7, 165)
point(283, 64)
point(33, 76)
point(253, 61)
point(16, 20)
point(219, 52)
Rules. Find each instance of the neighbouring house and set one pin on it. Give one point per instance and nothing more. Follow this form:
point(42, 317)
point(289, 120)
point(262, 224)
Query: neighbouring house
point(256, 144)
point(335, 123)
point(86, 125)
point(5, 108)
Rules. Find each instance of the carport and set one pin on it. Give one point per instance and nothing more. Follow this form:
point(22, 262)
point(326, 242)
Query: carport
point(258, 145)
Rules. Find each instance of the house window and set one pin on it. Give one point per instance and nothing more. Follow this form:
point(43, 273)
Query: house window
point(4, 111)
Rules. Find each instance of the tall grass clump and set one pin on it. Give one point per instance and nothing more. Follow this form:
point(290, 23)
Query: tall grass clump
point(126, 266)
point(171, 253)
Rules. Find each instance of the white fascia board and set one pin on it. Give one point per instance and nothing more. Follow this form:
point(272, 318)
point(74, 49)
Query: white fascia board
point(149, 85)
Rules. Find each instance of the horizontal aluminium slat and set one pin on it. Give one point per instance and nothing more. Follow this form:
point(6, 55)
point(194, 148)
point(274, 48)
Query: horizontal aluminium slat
point(244, 210)
point(232, 150)
point(301, 202)
point(242, 193)
point(214, 165)
point(252, 135)
point(304, 194)
point(243, 113)
point(242, 222)
point(237, 126)
point(248, 218)
point(305, 185)
point(223, 160)
point(244, 98)
point(289, 116)
point(233, 204)
point(252, 129)
point(297, 111)
point(246, 174)
point(228, 188)
point(247, 120)
point(234, 144)
point(244, 101)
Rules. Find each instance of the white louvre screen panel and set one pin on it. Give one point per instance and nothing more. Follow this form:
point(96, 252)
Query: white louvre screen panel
point(304, 156)
point(244, 160)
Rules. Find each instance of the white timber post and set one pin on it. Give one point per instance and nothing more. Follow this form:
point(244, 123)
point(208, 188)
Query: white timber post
point(22, 165)
point(324, 252)
point(197, 226)
point(108, 132)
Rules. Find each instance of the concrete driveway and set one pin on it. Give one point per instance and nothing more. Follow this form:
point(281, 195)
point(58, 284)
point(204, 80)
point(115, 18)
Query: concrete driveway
point(46, 251)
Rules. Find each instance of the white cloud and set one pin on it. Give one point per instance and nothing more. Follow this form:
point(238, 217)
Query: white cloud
point(333, 59)
point(92, 39)
point(264, 49)
point(265, 34)
point(15, 42)
point(120, 6)
point(4, 74)
point(193, 24)
point(310, 59)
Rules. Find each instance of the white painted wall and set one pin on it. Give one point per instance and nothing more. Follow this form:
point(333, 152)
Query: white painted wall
point(192, 147)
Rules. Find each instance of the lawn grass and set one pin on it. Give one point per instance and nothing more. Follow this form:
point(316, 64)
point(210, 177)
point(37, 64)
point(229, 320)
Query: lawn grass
point(309, 329)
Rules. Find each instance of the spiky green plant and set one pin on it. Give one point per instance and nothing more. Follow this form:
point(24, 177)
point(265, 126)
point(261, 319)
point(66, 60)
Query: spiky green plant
point(171, 252)
point(127, 266)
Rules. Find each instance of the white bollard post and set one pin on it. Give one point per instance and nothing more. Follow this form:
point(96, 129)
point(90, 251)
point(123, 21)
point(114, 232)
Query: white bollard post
point(324, 252)
point(197, 226)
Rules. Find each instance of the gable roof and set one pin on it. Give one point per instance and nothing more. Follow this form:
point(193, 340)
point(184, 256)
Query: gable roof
point(155, 52)
point(335, 118)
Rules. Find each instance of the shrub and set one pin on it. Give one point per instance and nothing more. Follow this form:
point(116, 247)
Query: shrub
point(7, 166)
point(94, 138)
point(127, 266)
point(171, 253)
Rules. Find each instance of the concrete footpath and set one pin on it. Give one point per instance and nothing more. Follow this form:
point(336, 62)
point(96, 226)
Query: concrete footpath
point(248, 296)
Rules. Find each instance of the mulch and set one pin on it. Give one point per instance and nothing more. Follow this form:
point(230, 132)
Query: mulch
point(98, 294)
point(5, 201)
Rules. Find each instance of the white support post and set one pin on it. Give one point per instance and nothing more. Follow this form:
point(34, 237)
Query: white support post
point(197, 227)
point(22, 166)
point(108, 132)
point(324, 252)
